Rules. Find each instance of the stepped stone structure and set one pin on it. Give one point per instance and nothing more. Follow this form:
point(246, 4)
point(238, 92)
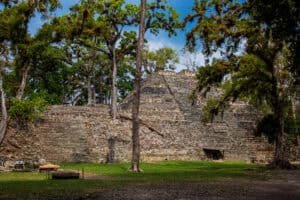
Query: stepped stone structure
point(171, 130)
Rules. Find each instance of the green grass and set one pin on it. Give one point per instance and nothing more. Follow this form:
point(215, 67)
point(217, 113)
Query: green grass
point(37, 186)
point(174, 171)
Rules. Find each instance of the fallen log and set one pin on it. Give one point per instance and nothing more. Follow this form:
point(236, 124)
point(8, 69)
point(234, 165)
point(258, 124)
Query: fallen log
point(65, 175)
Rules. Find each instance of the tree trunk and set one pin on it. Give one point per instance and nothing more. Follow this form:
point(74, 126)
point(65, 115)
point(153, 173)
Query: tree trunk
point(4, 119)
point(294, 104)
point(135, 162)
point(21, 89)
point(94, 95)
point(281, 160)
point(114, 85)
point(90, 87)
point(281, 157)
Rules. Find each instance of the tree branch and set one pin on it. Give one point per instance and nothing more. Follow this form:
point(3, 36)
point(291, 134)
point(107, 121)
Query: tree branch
point(143, 123)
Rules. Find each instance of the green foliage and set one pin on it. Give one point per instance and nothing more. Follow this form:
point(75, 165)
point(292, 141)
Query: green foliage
point(280, 16)
point(41, 5)
point(92, 35)
point(49, 73)
point(15, 16)
point(26, 51)
point(212, 74)
point(210, 110)
point(28, 110)
point(126, 72)
point(218, 22)
point(161, 16)
point(264, 75)
point(160, 60)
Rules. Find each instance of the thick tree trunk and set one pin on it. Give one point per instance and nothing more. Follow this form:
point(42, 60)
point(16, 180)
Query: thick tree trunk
point(4, 115)
point(22, 86)
point(114, 85)
point(281, 160)
point(135, 162)
point(282, 149)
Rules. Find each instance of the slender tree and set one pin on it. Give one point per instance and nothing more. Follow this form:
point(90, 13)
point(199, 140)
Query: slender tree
point(114, 17)
point(4, 62)
point(154, 17)
point(135, 163)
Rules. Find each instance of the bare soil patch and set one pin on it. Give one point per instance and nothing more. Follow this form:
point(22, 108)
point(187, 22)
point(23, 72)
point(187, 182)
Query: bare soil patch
point(286, 186)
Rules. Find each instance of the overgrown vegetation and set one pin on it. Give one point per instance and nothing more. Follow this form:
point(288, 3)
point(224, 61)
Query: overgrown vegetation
point(27, 110)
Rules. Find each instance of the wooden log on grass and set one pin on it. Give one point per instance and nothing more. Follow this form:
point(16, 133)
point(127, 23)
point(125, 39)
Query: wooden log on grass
point(48, 167)
point(65, 175)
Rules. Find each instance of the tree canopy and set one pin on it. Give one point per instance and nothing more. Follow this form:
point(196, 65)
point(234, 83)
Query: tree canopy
point(265, 74)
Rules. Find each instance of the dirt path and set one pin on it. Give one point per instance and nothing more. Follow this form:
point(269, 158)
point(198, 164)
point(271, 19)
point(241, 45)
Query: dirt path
point(285, 187)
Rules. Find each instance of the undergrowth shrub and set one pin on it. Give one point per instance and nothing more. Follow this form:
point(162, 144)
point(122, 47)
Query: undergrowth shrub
point(27, 110)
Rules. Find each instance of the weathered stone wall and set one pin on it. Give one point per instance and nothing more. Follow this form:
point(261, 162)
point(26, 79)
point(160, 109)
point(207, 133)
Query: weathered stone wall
point(68, 134)
point(167, 95)
point(171, 130)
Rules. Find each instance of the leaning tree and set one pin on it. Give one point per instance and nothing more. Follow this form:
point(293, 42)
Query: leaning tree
point(264, 74)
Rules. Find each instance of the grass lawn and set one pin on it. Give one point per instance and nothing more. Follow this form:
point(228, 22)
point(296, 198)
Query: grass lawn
point(37, 186)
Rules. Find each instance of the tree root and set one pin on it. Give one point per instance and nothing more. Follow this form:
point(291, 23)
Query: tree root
point(281, 164)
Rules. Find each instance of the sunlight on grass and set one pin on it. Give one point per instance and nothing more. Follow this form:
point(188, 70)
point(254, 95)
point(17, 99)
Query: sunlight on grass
point(36, 186)
point(174, 170)
point(26, 176)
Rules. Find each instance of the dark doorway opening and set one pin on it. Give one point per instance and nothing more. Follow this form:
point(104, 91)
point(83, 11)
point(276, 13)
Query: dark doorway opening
point(213, 154)
point(111, 150)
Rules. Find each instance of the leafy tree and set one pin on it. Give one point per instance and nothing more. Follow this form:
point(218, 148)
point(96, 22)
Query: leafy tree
point(107, 22)
point(15, 18)
point(160, 60)
point(72, 34)
point(97, 29)
point(113, 17)
point(50, 76)
point(259, 75)
point(14, 41)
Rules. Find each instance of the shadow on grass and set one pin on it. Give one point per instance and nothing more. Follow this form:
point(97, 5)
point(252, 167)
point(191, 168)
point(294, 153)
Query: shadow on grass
point(36, 186)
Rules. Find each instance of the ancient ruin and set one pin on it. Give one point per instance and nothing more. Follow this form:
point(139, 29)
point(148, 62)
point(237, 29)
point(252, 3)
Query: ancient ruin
point(171, 130)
